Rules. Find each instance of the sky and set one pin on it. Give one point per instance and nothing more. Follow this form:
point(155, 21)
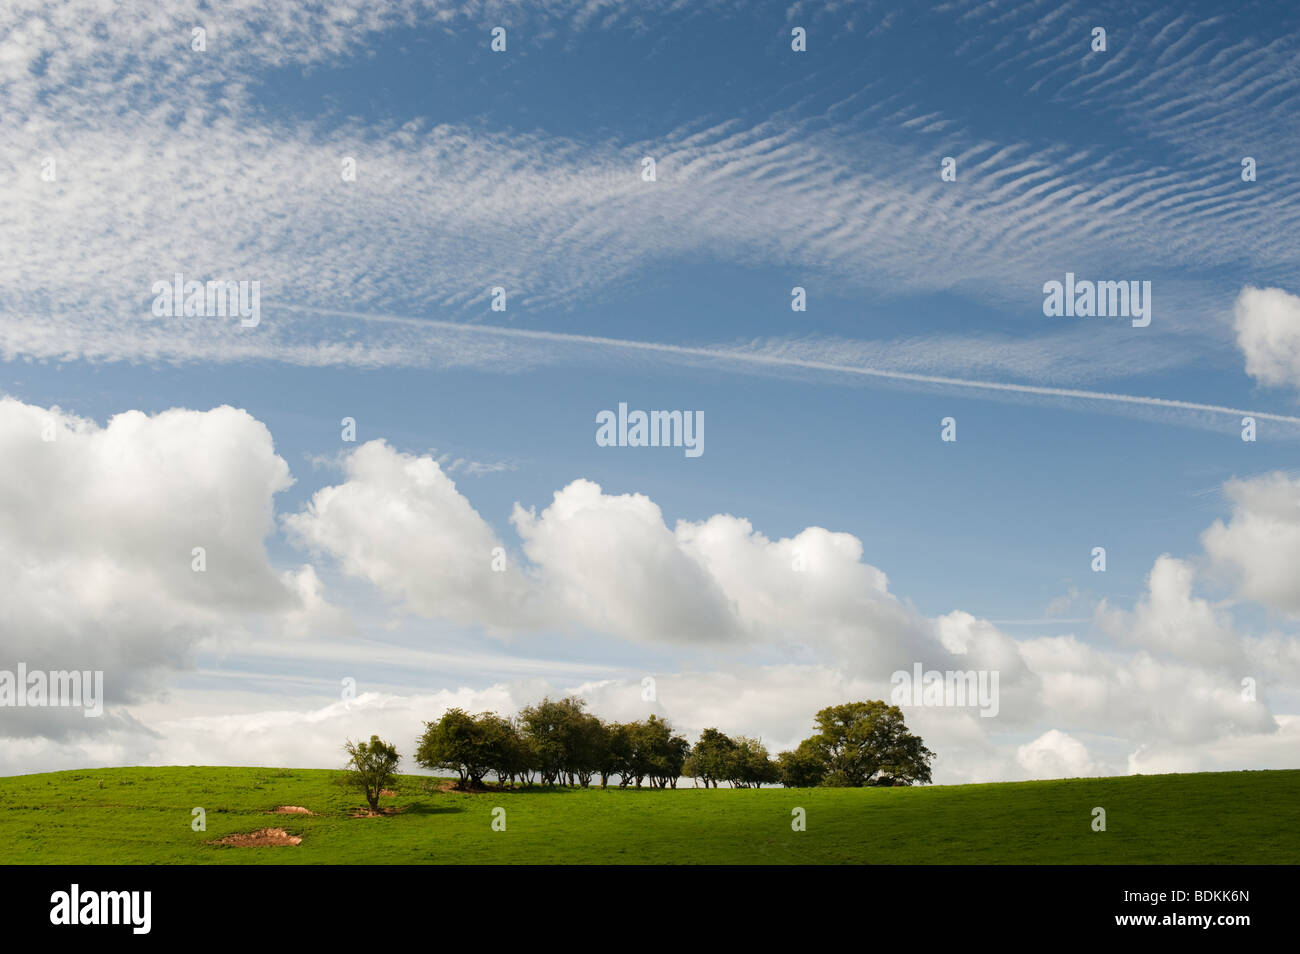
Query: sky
point(393, 471)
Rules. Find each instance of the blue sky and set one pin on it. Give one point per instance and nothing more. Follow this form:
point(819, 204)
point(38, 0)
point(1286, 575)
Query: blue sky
point(774, 169)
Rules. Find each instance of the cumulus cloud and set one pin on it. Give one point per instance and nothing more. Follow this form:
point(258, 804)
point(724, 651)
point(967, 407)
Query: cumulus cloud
point(1259, 547)
point(101, 529)
point(614, 566)
point(399, 522)
point(104, 580)
point(610, 564)
point(1169, 621)
point(1054, 754)
point(1273, 749)
point(1267, 323)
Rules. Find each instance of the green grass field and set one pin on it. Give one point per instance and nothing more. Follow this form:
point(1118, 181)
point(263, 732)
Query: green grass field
point(143, 816)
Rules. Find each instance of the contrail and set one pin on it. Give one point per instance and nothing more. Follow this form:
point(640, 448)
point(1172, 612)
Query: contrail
point(722, 354)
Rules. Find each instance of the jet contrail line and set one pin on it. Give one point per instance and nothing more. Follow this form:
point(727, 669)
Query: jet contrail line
point(722, 354)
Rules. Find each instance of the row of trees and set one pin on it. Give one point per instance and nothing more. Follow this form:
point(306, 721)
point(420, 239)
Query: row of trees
point(559, 743)
point(556, 743)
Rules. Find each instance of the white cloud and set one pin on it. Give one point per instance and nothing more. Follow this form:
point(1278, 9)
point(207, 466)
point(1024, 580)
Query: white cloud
point(399, 522)
point(1267, 323)
point(155, 144)
point(117, 509)
point(609, 563)
point(1139, 697)
point(1259, 547)
point(612, 565)
point(98, 529)
point(1275, 749)
point(1169, 621)
point(1054, 754)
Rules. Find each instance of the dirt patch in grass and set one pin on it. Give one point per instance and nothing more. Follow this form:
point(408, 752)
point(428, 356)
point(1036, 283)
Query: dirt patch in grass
point(367, 813)
point(291, 810)
point(387, 792)
point(262, 838)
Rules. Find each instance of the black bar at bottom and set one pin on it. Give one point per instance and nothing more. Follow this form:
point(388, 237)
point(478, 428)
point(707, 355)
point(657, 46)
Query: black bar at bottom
point(906, 904)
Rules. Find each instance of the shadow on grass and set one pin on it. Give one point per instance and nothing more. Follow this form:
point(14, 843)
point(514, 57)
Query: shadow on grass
point(558, 790)
point(524, 790)
point(423, 808)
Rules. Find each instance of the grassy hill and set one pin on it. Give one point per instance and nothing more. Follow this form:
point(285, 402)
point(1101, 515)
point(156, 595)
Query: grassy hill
point(143, 816)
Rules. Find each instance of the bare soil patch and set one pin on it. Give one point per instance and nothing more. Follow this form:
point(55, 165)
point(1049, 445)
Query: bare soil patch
point(291, 810)
point(367, 813)
point(262, 838)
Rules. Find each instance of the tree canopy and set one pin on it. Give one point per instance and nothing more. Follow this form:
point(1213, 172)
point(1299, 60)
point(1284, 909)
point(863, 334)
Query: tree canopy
point(560, 743)
point(371, 767)
point(865, 743)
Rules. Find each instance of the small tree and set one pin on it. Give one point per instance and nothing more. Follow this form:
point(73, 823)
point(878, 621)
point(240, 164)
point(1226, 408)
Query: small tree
point(617, 754)
point(805, 767)
point(712, 757)
point(554, 732)
point(590, 744)
point(751, 766)
point(657, 752)
point(371, 767)
point(511, 753)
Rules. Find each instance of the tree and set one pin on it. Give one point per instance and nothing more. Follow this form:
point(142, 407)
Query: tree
point(691, 769)
point(371, 767)
point(655, 752)
point(861, 743)
point(589, 744)
point(857, 743)
point(617, 755)
point(525, 759)
point(504, 749)
point(905, 764)
point(805, 767)
point(555, 733)
point(470, 745)
point(671, 759)
point(636, 761)
point(750, 765)
point(711, 759)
